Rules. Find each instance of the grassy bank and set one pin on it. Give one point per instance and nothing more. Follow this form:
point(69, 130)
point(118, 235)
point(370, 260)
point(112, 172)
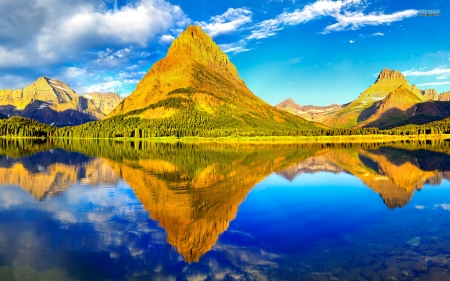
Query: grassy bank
point(288, 139)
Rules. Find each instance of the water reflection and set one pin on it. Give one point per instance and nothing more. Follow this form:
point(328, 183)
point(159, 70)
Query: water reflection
point(192, 194)
point(393, 173)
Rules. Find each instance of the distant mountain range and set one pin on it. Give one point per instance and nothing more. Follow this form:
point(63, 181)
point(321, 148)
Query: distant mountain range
point(53, 102)
point(391, 101)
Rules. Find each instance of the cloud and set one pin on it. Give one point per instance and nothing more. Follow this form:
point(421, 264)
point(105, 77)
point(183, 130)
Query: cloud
point(230, 21)
point(235, 48)
point(39, 34)
point(339, 10)
point(378, 34)
point(74, 71)
point(442, 71)
point(166, 39)
point(356, 20)
point(295, 60)
point(444, 206)
point(434, 83)
point(351, 41)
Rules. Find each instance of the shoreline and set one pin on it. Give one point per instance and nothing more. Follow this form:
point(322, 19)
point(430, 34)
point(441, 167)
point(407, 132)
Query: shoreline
point(266, 139)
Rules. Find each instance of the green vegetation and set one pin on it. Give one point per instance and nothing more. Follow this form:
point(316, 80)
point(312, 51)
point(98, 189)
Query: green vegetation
point(198, 124)
point(24, 127)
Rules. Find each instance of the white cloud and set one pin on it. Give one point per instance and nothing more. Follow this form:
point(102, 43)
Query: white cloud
point(339, 10)
point(74, 71)
point(356, 20)
point(166, 38)
point(444, 206)
point(228, 22)
point(442, 71)
point(351, 41)
point(61, 36)
point(434, 83)
point(235, 48)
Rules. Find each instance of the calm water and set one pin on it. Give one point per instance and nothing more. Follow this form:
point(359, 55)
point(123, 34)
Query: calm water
point(155, 211)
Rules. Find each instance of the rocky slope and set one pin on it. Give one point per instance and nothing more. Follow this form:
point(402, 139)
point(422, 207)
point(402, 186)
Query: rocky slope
point(431, 94)
point(52, 101)
point(445, 96)
point(104, 102)
point(309, 112)
point(196, 82)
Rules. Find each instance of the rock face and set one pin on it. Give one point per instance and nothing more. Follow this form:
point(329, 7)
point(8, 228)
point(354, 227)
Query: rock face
point(44, 89)
point(104, 102)
point(52, 101)
point(445, 96)
point(202, 78)
point(308, 112)
point(431, 94)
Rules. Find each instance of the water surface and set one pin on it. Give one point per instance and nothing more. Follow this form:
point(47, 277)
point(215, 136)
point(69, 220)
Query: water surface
point(102, 210)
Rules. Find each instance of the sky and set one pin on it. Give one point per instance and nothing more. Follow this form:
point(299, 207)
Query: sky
point(316, 52)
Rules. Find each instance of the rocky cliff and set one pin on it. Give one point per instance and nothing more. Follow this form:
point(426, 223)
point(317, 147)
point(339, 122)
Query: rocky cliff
point(52, 101)
point(431, 94)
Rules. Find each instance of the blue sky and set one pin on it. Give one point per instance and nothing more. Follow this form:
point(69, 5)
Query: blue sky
point(316, 52)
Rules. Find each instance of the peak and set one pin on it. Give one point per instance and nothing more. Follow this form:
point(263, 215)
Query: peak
point(389, 76)
point(195, 44)
point(289, 100)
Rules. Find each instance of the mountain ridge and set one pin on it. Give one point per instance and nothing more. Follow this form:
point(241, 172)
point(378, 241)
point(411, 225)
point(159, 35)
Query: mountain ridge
point(52, 101)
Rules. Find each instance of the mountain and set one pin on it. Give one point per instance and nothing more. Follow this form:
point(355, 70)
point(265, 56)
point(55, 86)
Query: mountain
point(390, 102)
point(104, 102)
point(445, 96)
point(308, 112)
point(196, 87)
point(366, 104)
point(53, 102)
point(431, 94)
point(394, 109)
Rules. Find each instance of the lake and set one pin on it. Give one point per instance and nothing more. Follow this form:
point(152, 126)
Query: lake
point(111, 210)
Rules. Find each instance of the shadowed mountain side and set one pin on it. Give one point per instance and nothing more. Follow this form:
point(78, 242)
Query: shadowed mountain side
point(194, 190)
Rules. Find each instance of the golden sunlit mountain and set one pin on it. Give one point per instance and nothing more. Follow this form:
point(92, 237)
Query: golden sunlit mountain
point(197, 83)
point(52, 101)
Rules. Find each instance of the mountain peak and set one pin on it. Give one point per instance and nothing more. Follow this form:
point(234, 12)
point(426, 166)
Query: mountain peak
point(195, 44)
point(391, 76)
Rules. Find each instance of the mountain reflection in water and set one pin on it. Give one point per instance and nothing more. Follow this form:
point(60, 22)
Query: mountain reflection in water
point(194, 191)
